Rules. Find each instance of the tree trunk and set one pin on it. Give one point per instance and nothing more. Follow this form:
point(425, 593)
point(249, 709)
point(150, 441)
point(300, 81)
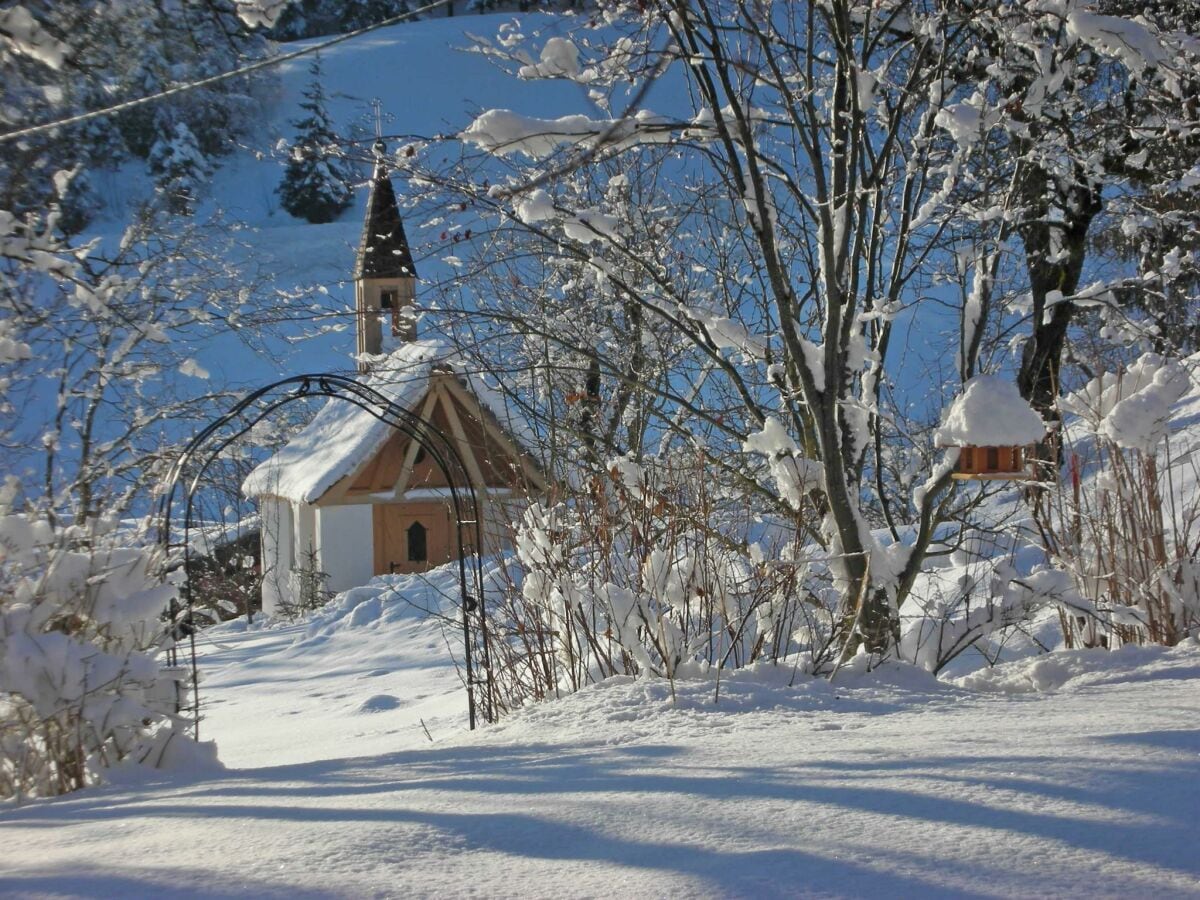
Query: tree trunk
point(1054, 255)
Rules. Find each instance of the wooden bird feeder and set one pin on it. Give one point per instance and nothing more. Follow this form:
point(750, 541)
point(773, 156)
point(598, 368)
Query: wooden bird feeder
point(991, 464)
point(992, 425)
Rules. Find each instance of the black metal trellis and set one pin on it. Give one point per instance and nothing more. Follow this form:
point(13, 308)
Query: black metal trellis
point(208, 445)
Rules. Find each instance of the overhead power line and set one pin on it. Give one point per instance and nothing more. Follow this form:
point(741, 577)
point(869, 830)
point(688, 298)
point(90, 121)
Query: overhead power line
point(43, 127)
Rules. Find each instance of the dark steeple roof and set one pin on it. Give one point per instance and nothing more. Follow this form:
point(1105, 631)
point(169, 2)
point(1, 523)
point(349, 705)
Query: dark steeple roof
point(383, 251)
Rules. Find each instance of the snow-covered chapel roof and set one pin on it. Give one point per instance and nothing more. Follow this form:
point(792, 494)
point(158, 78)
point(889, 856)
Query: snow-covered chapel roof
point(990, 412)
point(342, 436)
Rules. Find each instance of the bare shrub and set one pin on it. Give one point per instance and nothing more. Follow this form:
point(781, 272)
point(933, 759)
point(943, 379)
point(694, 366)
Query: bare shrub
point(648, 572)
point(1129, 536)
point(1126, 525)
point(309, 590)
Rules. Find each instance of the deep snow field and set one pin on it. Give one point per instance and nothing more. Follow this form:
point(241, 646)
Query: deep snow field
point(1075, 775)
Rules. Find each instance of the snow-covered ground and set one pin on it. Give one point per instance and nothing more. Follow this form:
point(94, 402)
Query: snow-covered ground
point(1071, 775)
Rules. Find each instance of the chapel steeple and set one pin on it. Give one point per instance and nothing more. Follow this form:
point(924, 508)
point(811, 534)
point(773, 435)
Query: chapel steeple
point(385, 278)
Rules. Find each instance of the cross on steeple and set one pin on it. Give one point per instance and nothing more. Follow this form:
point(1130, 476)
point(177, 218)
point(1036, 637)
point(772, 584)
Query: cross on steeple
point(377, 108)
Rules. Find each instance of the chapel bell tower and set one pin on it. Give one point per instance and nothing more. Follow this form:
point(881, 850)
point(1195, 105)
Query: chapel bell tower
point(385, 279)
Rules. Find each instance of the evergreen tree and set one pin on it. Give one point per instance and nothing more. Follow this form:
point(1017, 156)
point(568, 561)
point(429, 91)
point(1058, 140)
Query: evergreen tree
point(179, 166)
point(78, 202)
point(112, 52)
point(316, 184)
point(314, 18)
point(198, 38)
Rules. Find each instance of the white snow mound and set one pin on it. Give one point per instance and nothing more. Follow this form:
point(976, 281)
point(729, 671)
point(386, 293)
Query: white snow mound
point(1133, 407)
point(1076, 669)
point(990, 413)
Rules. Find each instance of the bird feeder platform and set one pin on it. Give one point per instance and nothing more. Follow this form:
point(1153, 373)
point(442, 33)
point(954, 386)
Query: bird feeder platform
point(1003, 463)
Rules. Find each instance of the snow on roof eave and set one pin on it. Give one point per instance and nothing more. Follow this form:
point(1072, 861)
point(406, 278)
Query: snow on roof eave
point(301, 472)
point(343, 437)
point(439, 493)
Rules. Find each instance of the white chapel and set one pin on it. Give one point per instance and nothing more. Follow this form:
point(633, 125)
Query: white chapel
point(352, 497)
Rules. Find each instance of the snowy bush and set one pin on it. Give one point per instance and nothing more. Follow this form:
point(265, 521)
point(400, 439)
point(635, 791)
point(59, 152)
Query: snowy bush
point(81, 688)
point(638, 577)
point(987, 597)
point(179, 168)
point(1126, 524)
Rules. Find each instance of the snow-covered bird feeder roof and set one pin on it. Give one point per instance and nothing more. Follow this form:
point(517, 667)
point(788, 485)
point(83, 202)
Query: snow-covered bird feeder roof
point(990, 412)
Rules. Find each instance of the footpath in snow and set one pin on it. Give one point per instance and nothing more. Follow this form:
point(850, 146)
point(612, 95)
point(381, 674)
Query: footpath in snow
point(1074, 775)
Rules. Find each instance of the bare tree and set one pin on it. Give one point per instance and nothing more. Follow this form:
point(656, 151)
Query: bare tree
point(786, 221)
point(829, 185)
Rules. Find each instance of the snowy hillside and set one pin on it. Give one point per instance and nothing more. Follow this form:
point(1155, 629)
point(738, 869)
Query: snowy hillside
point(428, 84)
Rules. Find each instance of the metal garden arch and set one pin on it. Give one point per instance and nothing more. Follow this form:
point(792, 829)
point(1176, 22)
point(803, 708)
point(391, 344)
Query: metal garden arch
point(209, 443)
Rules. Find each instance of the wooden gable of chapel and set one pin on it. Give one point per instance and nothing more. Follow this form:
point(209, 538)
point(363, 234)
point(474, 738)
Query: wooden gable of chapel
point(492, 458)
